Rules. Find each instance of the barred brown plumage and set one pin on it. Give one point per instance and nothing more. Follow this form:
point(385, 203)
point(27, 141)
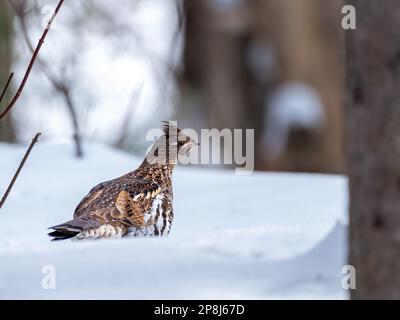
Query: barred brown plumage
point(138, 203)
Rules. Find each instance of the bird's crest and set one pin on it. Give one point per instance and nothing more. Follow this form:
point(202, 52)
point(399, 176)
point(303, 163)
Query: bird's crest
point(170, 130)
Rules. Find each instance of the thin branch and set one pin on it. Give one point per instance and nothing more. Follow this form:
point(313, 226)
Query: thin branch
point(6, 86)
point(74, 117)
point(57, 83)
point(31, 63)
point(34, 140)
point(20, 12)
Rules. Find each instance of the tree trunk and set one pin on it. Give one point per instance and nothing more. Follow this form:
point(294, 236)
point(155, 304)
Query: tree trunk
point(373, 144)
point(309, 44)
point(214, 59)
point(6, 33)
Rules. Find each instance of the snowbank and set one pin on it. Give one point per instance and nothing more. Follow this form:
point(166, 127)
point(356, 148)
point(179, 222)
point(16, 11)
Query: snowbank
point(251, 237)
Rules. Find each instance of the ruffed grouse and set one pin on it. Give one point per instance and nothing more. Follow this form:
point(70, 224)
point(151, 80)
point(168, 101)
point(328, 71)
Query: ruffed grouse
point(136, 204)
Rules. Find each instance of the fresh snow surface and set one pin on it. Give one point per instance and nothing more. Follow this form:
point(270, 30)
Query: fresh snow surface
point(262, 236)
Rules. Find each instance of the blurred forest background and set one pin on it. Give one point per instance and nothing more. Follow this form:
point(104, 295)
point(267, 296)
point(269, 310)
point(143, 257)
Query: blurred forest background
point(110, 71)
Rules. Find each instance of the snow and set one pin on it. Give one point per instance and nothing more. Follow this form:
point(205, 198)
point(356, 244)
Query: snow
point(262, 236)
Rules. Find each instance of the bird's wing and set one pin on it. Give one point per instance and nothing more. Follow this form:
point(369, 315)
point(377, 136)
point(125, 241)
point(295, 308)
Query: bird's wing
point(93, 195)
point(119, 202)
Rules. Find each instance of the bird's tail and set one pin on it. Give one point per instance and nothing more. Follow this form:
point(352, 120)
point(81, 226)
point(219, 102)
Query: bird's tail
point(68, 229)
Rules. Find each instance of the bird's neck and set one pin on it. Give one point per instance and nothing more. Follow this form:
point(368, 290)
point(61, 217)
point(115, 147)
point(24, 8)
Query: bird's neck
point(160, 173)
point(159, 163)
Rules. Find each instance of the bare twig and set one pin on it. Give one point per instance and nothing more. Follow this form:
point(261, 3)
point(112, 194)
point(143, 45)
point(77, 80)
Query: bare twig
point(31, 63)
point(74, 117)
point(58, 83)
point(34, 140)
point(6, 86)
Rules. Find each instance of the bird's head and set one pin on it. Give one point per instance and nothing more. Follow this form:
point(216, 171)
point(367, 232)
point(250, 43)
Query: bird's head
point(177, 141)
point(171, 146)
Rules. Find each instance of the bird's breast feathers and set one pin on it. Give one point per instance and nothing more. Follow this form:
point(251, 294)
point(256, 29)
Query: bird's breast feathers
point(157, 220)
